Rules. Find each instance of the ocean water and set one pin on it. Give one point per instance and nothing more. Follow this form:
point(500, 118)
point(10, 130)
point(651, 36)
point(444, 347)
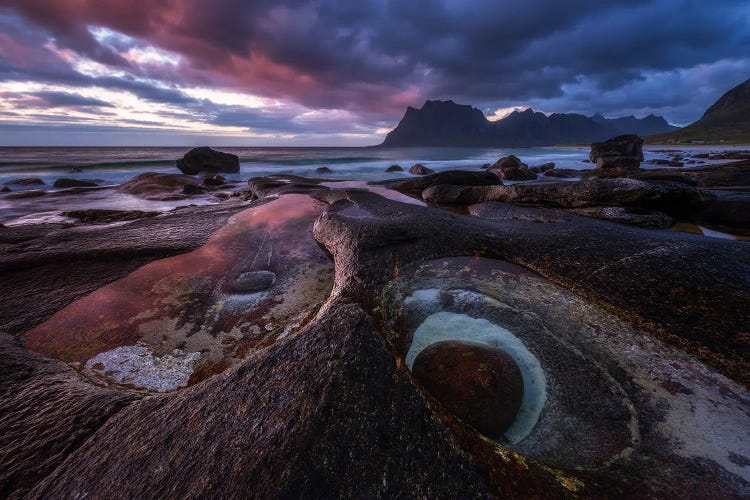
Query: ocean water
point(114, 165)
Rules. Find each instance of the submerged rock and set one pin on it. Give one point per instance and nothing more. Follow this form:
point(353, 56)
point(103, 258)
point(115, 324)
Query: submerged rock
point(624, 152)
point(394, 168)
point(420, 169)
point(323, 170)
point(252, 281)
point(153, 186)
point(205, 159)
point(481, 385)
point(544, 167)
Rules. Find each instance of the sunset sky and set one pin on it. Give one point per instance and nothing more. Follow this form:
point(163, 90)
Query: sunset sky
point(230, 72)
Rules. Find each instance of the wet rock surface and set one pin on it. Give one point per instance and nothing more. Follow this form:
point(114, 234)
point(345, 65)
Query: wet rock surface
point(152, 186)
point(610, 334)
point(511, 168)
point(69, 183)
point(420, 169)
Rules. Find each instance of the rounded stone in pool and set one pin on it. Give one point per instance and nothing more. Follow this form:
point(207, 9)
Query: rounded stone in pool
point(480, 384)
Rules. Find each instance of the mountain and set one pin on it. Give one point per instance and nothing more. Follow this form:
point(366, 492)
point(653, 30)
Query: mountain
point(727, 120)
point(445, 123)
point(649, 125)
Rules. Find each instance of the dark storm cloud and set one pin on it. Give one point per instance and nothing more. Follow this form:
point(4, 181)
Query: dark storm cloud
point(375, 57)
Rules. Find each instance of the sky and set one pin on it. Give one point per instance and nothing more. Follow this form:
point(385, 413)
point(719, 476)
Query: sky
point(341, 73)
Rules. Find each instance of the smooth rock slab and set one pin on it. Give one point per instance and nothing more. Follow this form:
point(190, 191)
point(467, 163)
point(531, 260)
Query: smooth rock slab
point(138, 367)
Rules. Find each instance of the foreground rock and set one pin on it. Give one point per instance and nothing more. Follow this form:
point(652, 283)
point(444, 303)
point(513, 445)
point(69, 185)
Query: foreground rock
point(205, 159)
point(100, 216)
point(624, 153)
point(326, 409)
point(31, 181)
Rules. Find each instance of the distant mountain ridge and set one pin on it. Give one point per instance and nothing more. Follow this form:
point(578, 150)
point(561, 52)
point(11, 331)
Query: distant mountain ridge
point(728, 119)
point(445, 123)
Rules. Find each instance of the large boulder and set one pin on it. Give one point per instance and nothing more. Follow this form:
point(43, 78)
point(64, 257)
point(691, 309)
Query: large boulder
point(511, 168)
point(624, 152)
point(205, 159)
point(480, 384)
point(30, 181)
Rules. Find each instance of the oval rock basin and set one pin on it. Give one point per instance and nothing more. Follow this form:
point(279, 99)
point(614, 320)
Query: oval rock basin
point(596, 392)
point(181, 319)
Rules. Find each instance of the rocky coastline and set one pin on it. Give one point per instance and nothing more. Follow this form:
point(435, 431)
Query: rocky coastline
point(297, 335)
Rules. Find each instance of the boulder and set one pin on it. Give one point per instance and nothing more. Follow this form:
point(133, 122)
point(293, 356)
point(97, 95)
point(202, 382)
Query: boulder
point(190, 189)
point(153, 186)
point(624, 152)
point(544, 167)
point(624, 215)
point(215, 181)
point(205, 159)
point(419, 169)
point(394, 168)
point(323, 170)
point(452, 177)
point(252, 281)
point(69, 183)
point(511, 168)
point(30, 181)
point(102, 216)
point(5, 189)
point(262, 187)
point(480, 384)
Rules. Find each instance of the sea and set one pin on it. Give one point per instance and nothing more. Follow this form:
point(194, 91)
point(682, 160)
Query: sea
point(110, 166)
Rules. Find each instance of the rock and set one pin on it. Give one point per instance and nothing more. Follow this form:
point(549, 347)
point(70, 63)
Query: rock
point(701, 155)
point(69, 183)
point(624, 152)
point(544, 167)
point(419, 169)
point(214, 181)
point(30, 181)
point(721, 176)
point(32, 193)
point(481, 385)
point(731, 155)
point(670, 163)
point(205, 159)
point(323, 170)
point(101, 216)
point(191, 189)
point(510, 168)
point(153, 186)
point(672, 198)
point(262, 187)
point(564, 173)
point(623, 215)
point(728, 212)
point(252, 281)
point(5, 189)
point(394, 168)
point(452, 177)
point(667, 176)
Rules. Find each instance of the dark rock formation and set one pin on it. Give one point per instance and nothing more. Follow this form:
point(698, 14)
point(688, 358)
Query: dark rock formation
point(282, 184)
point(215, 181)
point(511, 168)
point(69, 183)
point(544, 167)
point(152, 186)
point(394, 168)
point(419, 169)
point(624, 152)
point(623, 215)
point(453, 177)
point(564, 173)
point(672, 198)
point(481, 385)
point(191, 189)
point(205, 159)
point(31, 181)
point(323, 170)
